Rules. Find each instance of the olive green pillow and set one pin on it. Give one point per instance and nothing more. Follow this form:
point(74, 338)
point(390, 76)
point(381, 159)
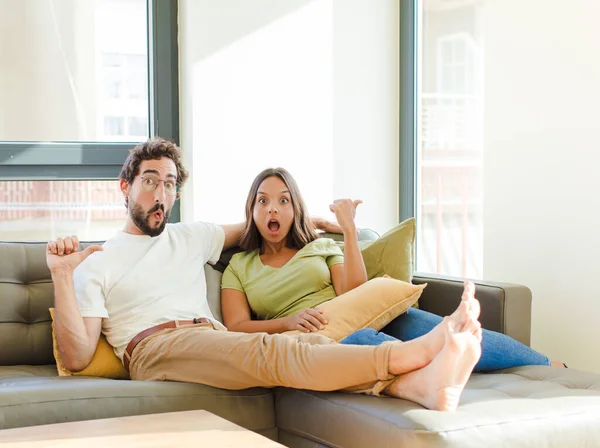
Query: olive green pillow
point(391, 254)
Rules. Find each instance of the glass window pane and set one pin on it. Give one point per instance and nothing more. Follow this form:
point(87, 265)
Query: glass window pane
point(114, 126)
point(44, 210)
point(137, 126)
point(72, 64)
point(136, 70)
point(450, 144)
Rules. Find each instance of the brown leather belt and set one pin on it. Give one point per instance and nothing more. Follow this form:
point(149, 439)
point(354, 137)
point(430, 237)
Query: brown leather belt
point(148, 331)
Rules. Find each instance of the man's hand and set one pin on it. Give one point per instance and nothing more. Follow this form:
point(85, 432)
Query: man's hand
point(345, 212)
point(326, 226)
point(310, 319)
point(62, 255)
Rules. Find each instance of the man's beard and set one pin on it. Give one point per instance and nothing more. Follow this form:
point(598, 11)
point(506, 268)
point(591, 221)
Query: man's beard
point(141, 219)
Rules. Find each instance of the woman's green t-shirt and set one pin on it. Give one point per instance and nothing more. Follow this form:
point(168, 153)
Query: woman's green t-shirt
point(303, 282)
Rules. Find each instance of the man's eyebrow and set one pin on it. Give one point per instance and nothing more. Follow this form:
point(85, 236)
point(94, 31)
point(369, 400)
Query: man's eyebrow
point(156, 172)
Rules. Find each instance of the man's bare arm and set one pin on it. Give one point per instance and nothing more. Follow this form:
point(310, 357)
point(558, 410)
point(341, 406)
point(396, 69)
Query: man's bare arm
point(77, 337)
point(233, 232)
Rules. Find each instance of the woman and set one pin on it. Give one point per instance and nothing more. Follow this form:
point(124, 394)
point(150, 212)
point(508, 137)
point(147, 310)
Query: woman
point(286, 271)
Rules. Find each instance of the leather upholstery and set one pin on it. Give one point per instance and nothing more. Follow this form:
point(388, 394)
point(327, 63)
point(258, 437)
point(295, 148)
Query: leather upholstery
point(25, 296)
point(528, 406)
point(36, 396)
point(506, 308)
point(521, 407)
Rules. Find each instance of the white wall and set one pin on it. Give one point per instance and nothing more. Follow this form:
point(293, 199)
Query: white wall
point(366, 108)
point(308, 85)
point(542, 156)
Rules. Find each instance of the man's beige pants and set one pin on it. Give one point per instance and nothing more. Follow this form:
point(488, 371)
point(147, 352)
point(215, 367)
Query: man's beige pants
point(229, 360)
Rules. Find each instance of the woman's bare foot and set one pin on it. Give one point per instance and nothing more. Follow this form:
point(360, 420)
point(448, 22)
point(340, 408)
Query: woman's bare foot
point(469, 297)
point(562, 365)
point(439, 385)
point(411, 355)
point(417, 353)
point(473, 309)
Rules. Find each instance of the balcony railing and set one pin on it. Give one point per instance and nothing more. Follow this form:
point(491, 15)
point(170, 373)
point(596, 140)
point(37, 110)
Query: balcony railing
point(61, 200)
point(451, 185)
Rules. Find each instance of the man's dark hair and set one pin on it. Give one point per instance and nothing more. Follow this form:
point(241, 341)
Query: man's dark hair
point(154, 148)
point(302, 231)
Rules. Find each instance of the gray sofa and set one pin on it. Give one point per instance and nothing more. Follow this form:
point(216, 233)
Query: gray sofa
point(528, 406)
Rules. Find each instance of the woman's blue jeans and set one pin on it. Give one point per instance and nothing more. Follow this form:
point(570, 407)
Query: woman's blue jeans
point(498, 351)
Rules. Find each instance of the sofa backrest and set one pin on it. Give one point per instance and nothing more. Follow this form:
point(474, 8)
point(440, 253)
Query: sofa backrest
point(25, 296)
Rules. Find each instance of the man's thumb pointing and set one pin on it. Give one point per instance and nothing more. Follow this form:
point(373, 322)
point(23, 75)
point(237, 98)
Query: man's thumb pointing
point(90, 250)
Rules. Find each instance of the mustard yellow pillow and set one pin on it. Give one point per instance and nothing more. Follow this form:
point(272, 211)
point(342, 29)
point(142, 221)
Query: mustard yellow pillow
point(373, 304)
point(104, 363)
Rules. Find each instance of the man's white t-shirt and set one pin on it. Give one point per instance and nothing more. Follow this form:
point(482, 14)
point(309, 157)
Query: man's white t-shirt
point(139, 281)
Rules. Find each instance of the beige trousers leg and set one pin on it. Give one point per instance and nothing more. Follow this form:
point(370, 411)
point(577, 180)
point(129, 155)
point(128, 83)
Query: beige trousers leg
point(230, 360)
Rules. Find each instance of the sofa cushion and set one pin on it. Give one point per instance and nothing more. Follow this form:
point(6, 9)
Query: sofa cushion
point(213, 290)
point(373, 304)
point(391, 254)
point(25, 295)
point(27, 399)
point(26, 371)
point(104, 363)
point(524, 406)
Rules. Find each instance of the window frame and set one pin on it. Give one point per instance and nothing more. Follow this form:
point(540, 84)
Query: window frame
point(22, 160)
point(409, 52)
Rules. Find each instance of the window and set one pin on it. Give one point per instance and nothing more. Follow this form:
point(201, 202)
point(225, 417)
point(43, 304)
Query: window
point(137, 125)
point(449, 156)
point(92, 210)
point(124, 102)
point(73, 65)
point(78, 91)
point(114, 126)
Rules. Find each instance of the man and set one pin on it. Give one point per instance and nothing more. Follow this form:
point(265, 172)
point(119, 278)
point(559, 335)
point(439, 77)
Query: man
point(145, 290)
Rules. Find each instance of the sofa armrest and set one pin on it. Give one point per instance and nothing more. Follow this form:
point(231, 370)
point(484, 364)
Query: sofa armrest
point(505, 307)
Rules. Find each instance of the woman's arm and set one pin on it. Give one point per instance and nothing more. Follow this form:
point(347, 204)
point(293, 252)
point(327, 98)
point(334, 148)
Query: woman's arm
point(352, 272)
point(236, 317)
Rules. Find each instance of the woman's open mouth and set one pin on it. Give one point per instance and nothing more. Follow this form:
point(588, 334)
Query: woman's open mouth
point(273, 226)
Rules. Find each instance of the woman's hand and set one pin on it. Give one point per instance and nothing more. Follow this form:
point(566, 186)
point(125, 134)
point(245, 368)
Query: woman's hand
point(310, 319)
point(345, 211)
